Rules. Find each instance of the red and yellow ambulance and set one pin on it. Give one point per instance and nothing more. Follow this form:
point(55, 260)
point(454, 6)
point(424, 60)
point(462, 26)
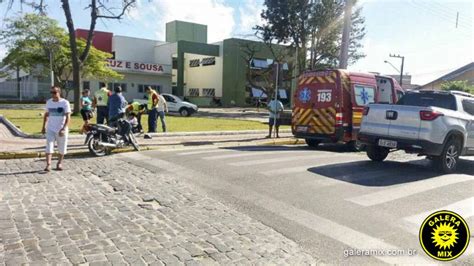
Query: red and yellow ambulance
point(328, 104)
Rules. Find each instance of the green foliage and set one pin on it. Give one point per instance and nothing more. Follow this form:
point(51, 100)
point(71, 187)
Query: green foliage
point(31, 38)
point(457, 85)
point(314, 26)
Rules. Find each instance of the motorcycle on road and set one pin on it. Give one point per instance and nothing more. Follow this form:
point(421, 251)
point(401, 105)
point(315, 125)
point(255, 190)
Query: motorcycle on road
point(102, 139)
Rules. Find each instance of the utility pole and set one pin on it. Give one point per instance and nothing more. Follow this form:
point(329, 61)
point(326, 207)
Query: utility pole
point(343, 57)
point(401, 68)
point(277, 79)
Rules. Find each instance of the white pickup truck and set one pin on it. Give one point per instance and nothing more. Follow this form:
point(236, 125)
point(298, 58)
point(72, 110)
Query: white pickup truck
point(437, 124)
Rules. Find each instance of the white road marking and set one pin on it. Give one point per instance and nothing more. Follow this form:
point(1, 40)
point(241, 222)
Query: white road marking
point(203, 152)
point(254, 153)
point(282, 159)
point(405, 190)
point(303, 168)
point(465, 208)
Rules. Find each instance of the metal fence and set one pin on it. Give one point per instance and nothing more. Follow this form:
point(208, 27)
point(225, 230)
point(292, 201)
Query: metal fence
point(25, 90)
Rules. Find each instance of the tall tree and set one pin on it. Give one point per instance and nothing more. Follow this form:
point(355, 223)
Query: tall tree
point(29, 50)
point(98, 9)
point(314, 27)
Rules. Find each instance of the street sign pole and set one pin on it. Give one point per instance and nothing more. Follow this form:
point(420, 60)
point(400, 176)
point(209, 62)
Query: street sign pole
point(276, 98)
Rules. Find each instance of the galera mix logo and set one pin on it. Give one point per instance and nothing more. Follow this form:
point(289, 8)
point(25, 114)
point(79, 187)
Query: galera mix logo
point(444, 235)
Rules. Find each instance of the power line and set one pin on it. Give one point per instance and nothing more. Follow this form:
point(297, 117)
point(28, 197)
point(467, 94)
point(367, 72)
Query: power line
point(438, 14)
point(445, 8)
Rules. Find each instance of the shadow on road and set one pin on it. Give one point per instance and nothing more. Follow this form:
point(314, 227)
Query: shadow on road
point(388, 173)
point(22, 173)
point(322, 147)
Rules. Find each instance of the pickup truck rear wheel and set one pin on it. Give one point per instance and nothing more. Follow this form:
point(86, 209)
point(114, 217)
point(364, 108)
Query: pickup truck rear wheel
point(313, 143)
point(449, 158)
point(376, 153)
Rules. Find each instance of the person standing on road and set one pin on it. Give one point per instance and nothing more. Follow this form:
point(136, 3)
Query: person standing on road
point(101, 99)
point(152, 110)
point(55, 125)
point(162, 107)
point(116, 106)
point(275, 108)
point(86, 109)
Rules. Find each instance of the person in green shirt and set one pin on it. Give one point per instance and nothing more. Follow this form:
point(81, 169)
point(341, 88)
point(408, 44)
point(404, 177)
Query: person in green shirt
point(86, 109)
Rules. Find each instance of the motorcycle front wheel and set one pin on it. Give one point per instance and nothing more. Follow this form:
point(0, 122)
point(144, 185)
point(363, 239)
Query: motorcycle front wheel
point(94, 147)
point(133, 141)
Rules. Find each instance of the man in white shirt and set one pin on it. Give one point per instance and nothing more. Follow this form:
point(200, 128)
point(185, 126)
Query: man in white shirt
point(162, 107)
point(275, 108)
point(55, 126)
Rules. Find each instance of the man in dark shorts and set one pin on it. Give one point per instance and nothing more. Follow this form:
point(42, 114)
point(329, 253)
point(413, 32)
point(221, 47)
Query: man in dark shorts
point(275, 108)
point(86, 109)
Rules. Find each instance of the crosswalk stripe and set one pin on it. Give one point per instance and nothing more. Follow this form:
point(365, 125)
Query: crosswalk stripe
point(282, 159)
point(301, 168)
point(255, 153)
point(465, 208)
point(203, 152)
point(406, 190)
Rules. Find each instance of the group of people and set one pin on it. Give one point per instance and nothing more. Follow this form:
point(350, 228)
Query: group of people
point(109, 108)
point(112, 106)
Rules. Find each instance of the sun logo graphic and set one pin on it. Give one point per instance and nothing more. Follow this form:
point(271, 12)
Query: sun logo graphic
point(444, 235)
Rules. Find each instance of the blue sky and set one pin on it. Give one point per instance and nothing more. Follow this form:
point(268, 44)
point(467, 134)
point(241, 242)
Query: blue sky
point(424, 31)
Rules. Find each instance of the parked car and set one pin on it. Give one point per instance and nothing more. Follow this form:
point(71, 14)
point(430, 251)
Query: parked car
point(329, 104)
point(437, 124)
point(176, 105)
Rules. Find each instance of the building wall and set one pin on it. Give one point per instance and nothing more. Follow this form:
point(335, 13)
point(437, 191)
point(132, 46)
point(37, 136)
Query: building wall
point(201, 77)
point(185, 31)
point(134, 49)
point(234, 71)
point(134, 80)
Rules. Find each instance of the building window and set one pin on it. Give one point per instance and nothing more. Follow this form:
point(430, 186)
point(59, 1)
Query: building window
point(142, 87)
point(208, 92)
point(194, 63)
point(259, 63)
point(208, 61)
point(193, 92)
point(175, 63)
point(112, 86)
point(86, 85)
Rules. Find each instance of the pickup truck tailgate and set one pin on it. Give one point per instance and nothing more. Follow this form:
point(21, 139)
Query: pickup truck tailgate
point(374, 122)
point(404, 120)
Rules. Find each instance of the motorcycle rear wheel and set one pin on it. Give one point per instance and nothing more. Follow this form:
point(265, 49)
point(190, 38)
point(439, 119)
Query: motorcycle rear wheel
point(94, 148)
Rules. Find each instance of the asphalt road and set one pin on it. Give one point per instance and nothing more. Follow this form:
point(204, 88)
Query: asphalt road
point(329, 201)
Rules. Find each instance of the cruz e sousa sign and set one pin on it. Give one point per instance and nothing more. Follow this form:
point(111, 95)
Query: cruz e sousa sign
point(120, 65)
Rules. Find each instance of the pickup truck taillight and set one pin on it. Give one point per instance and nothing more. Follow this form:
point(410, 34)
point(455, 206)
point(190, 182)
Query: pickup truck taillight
point(429, 115)
point(366, 110)
point(339, 119)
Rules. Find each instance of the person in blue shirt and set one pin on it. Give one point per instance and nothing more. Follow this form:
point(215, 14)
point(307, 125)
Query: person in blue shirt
point(86, 109)
point(116, 105)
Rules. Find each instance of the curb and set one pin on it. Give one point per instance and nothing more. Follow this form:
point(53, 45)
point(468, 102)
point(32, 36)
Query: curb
point(202, 133)
point(18, 133)
point(283, 142)
point(14, 130)
point(30, 155)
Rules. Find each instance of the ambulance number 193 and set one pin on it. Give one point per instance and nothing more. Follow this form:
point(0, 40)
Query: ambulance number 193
point(324, 96)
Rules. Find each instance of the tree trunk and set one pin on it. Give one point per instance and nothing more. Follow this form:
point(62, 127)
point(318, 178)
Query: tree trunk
point(76, 64)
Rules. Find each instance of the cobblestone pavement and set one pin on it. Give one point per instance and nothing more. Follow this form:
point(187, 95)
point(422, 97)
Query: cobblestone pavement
point(109, 212)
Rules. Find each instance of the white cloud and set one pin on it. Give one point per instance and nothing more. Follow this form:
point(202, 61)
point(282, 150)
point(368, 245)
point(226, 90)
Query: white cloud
point(249, 17)
point(214, 13)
